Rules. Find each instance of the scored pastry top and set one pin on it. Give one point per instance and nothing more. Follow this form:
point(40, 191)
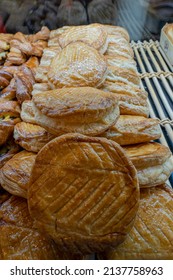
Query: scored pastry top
point(84, 191)
point(93, 35)
point(77, 65)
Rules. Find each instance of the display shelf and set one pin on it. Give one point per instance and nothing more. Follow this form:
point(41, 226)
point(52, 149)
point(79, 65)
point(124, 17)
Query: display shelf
point(157, 79)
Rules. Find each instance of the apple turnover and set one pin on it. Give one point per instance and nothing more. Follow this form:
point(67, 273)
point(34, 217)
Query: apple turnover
point(133, 130)
point(83, 110)
point(83, 192)
point(77, 65)
point(151, 238)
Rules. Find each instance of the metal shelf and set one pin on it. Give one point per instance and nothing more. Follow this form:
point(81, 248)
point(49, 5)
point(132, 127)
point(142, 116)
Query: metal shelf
point(157, 79)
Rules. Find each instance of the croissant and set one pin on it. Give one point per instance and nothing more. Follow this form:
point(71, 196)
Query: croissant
point(5, 78)
point(83, 192)
point(9, 93)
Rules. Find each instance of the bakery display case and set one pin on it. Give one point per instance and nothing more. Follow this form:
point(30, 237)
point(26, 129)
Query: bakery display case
point(86, 130)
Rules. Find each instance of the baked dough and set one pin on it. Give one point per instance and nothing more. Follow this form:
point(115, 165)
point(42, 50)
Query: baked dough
point(151, 238)
point(7, 151)
point(83, 192)
point(31, 137)
point(133, 130)
point(27, 112)
point(15, 174)
point(153, 161)
point(84, 110)
point(77, 65)
point(19, 239)
point(117, 31)
point(168, 29)
point(93, 35)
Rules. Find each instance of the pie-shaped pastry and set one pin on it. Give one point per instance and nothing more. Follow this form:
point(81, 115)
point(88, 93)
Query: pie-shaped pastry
point(19, 239)
point(83, 192)
point(153, 161)
point(133, 130)
point(151, 237)
point(31, 137)
point(15, 174)
point(77, 65)
point(93, 35)
point(83, 110)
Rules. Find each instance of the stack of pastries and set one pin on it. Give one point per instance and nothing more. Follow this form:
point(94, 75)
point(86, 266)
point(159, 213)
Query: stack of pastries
point(82, 164)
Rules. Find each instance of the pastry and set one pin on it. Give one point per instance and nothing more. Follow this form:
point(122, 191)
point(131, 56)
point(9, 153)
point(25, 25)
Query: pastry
point(7, 151)
point(93, 35)
point(133, 130)
point(117, 31)
point(83, 192)
point(77, 65)
point(15, 174)
point(151, 237)
point(5, 78)
point(153, 161)
point(31, 137)
point(27, 112)
point(9, 92)
point(118, 45)
point(84, 110)
point(132, 99)
point(9, 116)
point(19, 239)
point(168, 29)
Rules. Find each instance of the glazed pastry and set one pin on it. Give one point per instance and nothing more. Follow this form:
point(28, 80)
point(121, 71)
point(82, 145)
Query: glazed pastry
point(19, 239)
point(31, 137)
point(15, 174)
point(153, 161)
point(83, 192)
point(7, 151)
point(5, 39)
point(117, 31)
point(93, 35)
point(133, 130)
point(152, 235)
point(77, 65)
point(9, 116)
point(40, 87)
point(27, 112)
point(84, 110)
point(3, 195)
point(132, 100)
point(9, 93)
point(5, 78)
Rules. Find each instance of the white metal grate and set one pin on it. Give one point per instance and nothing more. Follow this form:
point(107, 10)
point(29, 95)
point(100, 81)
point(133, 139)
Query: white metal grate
point(157, 79)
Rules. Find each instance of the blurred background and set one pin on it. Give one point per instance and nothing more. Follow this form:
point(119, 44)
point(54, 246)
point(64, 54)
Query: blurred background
point(142, 18)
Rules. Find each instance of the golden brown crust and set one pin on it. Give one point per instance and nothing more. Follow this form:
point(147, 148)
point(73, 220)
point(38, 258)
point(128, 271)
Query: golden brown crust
point(19, 239)
point(7, 151)
point(152, 235)
point(93, 35)
point(130, 130)
point(31, 137)
point(15, 174)
point(84, 110)
point(86, 200)
point(117, 30)
point(77, 65)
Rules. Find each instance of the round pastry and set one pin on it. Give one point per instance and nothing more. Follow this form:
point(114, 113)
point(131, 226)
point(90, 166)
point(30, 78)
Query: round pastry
point(15, 174)
point(77, 65)
point(31, 137)
point(83, 110)
point(153, 161)
point(83, 192)
point(93, 35)
point(151, 237)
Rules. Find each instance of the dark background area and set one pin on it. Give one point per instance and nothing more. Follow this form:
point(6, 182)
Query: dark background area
point(142, 18)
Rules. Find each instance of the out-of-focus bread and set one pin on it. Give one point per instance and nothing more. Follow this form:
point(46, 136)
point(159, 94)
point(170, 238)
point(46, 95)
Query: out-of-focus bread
point(84, 193)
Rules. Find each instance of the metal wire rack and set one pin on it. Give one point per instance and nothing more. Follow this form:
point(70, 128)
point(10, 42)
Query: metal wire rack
point(157, 79)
